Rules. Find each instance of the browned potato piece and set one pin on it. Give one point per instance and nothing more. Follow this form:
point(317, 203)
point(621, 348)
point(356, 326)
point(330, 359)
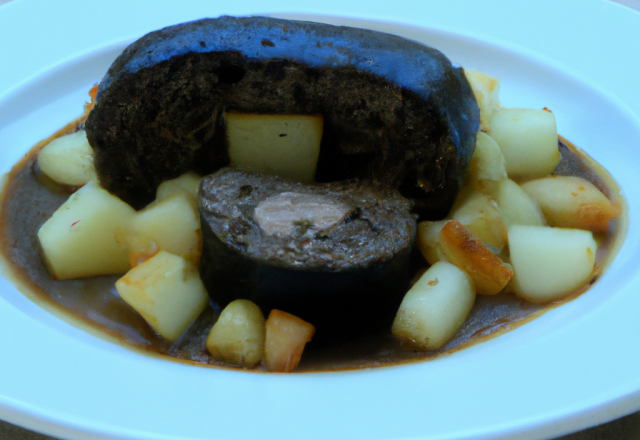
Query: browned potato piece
point(237, 337)
point(479, 214)
point(489, 274)
point(487, 162)
point(486, 90)
point(427, 238)
point(286, 336)
point(572, 202)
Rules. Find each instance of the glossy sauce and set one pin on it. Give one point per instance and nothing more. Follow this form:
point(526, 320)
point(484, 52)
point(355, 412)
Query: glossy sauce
point(93, 304)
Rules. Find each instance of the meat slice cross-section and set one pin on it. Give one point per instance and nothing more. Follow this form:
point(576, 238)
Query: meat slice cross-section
point(280, 215)
point(335, 254)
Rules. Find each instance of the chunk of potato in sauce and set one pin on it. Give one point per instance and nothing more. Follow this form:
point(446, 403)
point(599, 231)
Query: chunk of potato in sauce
point(93, 303)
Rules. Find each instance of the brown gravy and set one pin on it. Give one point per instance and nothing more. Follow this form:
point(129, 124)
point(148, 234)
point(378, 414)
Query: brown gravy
point(30, 198)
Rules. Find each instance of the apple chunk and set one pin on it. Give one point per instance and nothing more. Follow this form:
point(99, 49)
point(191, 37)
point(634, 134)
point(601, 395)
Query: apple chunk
point(287, 146)
point(550, 263)
point(237, 337)
point(286, 336)
point(434, 308)
point(167, 291)
point(68, 160)
point(79, 238)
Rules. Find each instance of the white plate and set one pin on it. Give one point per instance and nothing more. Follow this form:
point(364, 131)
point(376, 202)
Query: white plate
point(577, 365)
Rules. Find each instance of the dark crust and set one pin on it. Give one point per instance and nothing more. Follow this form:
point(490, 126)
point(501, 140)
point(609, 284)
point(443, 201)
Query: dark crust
point(394, 110)
point(361, 264)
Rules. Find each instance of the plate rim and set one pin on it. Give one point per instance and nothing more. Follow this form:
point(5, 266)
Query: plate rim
point(620, 405)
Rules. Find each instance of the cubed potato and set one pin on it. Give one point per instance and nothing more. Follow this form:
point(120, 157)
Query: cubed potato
point(487, 162)
point(283, 145)
point(171, 224)
point(189, 182)
point(68, 160)
point(550, 263)
point(286, 337)
point(434, 308)
point(488, 273)
point(486, 89)
point(479, 214)
point(514, 204)
point(167, 291)
point(572, 202)
point(529, 141)
point(79, 238)
point(237, 337)
point(428, 243)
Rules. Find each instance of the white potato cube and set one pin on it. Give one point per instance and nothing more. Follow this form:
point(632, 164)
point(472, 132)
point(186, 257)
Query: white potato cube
point(237, 337)
point(488, 272)
point(68, 160)
point(167, 291)
point(435, 307)
point(487, 162)
point(283, 145)
point(428, 241)
point(189, 182)
point(486, 90)
point(79, 238)
point(479, 214)
point(171, 224)
point(550, 263)
point(529, 141)
point(572, 202)
point(514, 204)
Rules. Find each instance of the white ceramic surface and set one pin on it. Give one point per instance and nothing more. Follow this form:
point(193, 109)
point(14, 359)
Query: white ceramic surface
point(576, 365)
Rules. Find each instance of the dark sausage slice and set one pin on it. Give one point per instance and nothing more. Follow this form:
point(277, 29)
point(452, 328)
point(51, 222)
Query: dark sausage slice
point(334, 254)
point(394, 110)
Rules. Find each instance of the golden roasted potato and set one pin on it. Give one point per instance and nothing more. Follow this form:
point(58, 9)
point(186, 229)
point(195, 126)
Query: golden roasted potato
point(286, 336)
point(489, 273)
point(486, 89)
point(237, 337)
point(167, 291)
point(479, 214)
point(572, 202)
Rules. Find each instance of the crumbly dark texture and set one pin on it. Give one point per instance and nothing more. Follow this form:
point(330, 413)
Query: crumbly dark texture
point(377, 227)
point(394, 110)
point(351, 272)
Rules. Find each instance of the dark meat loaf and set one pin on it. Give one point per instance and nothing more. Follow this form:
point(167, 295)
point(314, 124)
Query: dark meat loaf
point(394, 110)
point(335, 254)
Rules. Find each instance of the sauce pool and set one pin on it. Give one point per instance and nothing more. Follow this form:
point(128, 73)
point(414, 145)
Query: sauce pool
point(93, 304)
